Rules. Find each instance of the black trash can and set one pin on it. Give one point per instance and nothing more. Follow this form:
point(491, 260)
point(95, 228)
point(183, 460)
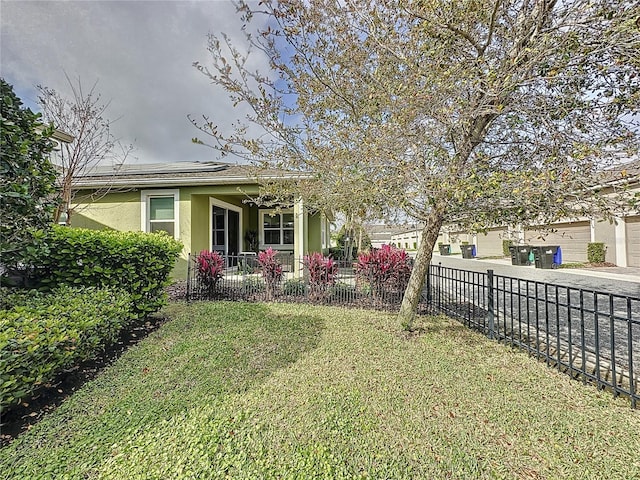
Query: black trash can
point(548, 256)
point(468, 251)
point(445, 249)
point(520, 254)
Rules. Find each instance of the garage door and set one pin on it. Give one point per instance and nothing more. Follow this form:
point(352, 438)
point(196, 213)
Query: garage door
point(633, 241)
point(490, 245)
point(573, 238)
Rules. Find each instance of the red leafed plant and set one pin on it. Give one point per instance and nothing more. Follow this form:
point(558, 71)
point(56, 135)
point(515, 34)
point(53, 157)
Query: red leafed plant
point(385, 269)
point(323, 272)
point(271, 270)
point(210, 269)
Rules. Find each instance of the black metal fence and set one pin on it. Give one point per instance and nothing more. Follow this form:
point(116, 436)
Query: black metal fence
point(243, 280)
point(593, 336)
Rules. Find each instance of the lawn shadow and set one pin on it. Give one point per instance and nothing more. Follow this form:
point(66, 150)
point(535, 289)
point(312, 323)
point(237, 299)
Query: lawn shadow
point(203, 353)
point(19, 418)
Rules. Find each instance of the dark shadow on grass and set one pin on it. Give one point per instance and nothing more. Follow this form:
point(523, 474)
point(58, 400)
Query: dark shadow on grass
point(19, 418)
point(205, 352)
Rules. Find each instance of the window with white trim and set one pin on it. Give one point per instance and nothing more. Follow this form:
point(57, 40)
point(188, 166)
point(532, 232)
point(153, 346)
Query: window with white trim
point(160, 211)
point(276, 228)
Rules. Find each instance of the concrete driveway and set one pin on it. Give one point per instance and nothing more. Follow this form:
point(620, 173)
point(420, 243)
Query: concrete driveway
point(617, 280)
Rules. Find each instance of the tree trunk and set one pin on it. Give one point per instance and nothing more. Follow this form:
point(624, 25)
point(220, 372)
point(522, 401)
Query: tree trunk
point(412, 294)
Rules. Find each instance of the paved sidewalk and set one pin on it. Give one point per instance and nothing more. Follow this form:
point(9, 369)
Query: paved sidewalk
point(617, 280)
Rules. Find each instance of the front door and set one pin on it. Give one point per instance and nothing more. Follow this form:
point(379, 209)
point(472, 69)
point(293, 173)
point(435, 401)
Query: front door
point(225, 230)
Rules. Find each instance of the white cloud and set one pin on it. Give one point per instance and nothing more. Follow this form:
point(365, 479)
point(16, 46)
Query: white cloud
point(141, 53)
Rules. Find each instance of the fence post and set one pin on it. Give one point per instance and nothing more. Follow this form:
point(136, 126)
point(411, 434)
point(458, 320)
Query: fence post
point(188, 277)
point(429, 285)
point(490, 300)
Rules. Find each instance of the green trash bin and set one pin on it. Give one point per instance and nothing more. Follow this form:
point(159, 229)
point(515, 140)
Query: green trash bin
point(547, 257)
point(445, 249)
point(521, 255)
point(468, 251)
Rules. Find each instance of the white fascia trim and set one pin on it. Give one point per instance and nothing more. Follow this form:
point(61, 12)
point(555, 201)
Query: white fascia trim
point(144, 207)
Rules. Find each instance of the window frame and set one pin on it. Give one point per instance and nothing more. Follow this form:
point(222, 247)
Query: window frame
point(281, 229)
point(214, 202)
point(145, 209)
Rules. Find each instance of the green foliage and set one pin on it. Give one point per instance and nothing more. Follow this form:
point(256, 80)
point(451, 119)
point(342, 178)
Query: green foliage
point(596, 252)
point(42, 334)
point(505, 247)
point(138, 262)
point(27, 185)
point(339, 254)
point(251, 284)
point(294, 286)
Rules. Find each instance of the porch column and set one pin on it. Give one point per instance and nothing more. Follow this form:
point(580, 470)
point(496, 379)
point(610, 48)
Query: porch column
point(621, 241)
point(300, 234)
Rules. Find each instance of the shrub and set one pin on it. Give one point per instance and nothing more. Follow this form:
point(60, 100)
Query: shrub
point(28, 189)
point(137, 262)
point(596, 252)
point(294, 286)
point(387, 268)
point(339, 254)
point(210, 269)
point(505, 247)
point(322, 273)
point(43, 334)
point(271, 270)
point(342, 291)
point(251, 285)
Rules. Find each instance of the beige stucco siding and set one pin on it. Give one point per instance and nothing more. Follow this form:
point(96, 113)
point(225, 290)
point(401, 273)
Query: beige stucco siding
point(490, 244)
point(573, 238)
point(633, 241)
point(605, 232)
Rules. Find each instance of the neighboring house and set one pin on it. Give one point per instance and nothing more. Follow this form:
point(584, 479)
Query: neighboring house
point(207, 206)
point(406, 238)
point(380, 234)
point(621, 236)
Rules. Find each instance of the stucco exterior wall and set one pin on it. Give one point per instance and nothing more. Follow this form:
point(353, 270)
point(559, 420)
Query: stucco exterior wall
point(605, 232)
point(117, 211)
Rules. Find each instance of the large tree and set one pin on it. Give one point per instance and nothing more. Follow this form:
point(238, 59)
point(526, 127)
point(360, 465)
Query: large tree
point(27, 178)
point(82, 115)
point(467, 112)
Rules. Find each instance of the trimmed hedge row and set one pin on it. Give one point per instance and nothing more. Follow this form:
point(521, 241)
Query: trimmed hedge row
point(137, 262)
point(41, 334)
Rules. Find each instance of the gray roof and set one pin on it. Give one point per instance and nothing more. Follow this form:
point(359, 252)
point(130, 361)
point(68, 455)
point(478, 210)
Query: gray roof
point(176, 174)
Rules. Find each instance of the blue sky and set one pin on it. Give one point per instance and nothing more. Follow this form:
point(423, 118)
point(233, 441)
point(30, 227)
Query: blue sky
point(140, 52)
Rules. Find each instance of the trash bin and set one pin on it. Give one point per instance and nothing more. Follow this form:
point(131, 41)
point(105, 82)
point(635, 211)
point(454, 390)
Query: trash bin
point(547, 257)
point(468, 251)
point(445, 249)
point(521, 254)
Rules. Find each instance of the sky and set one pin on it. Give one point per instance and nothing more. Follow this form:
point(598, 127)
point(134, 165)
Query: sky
point(141, 53)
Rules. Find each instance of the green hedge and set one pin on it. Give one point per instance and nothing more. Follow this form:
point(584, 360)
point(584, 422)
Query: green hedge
point(41, 334)
point(505, 247)
point(596, 252)
point(137, 262)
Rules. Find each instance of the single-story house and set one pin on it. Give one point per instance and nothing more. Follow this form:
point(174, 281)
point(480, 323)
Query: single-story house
point(207, 206)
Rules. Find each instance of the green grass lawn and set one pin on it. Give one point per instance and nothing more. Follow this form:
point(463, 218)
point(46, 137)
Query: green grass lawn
point(234, 390)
